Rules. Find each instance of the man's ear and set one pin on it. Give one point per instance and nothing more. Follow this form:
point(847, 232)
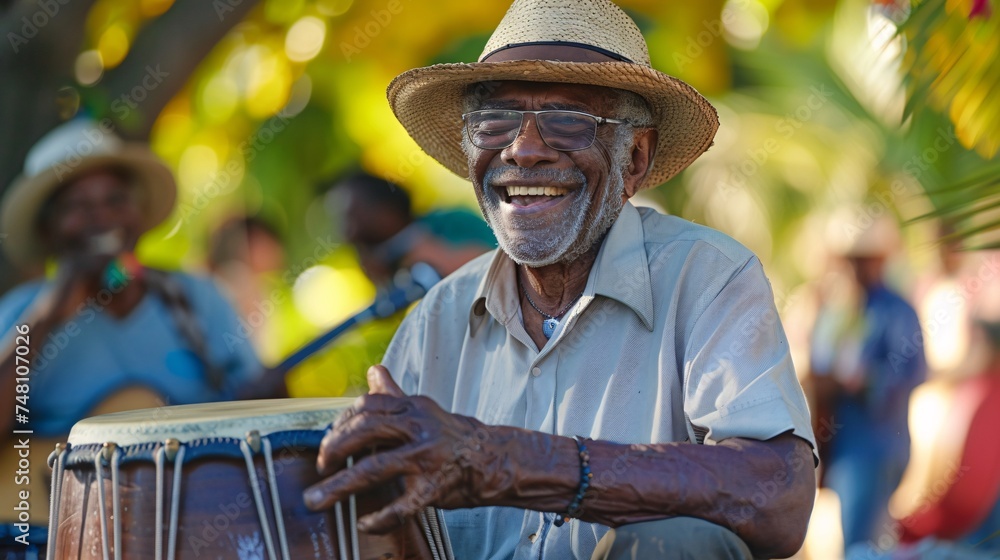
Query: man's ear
point(643, 152)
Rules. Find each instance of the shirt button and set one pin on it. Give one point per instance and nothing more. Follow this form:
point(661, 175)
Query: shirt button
point(536, 371)
point(533, 537)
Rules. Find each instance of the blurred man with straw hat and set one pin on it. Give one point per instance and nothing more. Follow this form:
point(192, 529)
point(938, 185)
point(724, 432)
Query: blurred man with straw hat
point(608, 366)
point(105, 333)
point(867, 357)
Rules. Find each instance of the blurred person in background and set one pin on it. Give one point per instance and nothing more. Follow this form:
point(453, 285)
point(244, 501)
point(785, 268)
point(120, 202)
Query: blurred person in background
point(967, 511)
point(375, 217)
point(866, 358)
point(105, 332)
point(246, 257)
point(957, 516)
point(943, 299)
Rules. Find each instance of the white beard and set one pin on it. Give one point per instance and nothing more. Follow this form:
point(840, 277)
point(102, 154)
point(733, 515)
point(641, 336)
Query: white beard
point(569, 237)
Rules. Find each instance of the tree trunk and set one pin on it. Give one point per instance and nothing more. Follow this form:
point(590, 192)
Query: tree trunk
point(38, 55)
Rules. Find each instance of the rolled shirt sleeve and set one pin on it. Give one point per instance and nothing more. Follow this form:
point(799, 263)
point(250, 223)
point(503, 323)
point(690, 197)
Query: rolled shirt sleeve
point(738, 375)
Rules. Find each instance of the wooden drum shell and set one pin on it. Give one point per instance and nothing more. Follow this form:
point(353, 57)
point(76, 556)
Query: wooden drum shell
point(218, 515)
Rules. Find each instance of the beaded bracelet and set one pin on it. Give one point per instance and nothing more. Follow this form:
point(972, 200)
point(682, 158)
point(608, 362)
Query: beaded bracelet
point(576, 507)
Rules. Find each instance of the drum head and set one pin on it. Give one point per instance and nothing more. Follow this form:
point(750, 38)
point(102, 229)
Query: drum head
point(208, 420)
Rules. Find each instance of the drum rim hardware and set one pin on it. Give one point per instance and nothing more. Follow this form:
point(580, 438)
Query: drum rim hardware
point(111, 456)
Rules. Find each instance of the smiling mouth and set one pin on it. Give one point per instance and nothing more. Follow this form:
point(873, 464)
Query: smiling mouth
point(529, 196)
point(107, 243)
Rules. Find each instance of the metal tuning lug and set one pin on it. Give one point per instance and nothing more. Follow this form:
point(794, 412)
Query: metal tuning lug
point(55, 454)
point(253, 440)
point(107, 451)
point(170, 448)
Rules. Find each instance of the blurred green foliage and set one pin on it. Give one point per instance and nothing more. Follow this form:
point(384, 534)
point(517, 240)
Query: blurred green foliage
point(812, 96)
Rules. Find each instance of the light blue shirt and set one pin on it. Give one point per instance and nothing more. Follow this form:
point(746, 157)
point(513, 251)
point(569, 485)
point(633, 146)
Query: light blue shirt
point(94, 354)
point(675, 338)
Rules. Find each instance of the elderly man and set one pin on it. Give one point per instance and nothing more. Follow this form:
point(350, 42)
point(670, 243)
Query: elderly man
point(653, 341)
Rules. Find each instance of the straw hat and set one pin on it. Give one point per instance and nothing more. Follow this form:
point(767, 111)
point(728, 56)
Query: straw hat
point(596, 43)
point(852, 232)
point(67, 152)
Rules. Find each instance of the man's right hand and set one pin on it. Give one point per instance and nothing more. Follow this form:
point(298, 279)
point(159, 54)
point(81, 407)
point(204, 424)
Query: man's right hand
point(444, 460)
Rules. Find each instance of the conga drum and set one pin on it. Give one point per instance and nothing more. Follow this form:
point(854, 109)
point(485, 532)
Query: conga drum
point(215, 481)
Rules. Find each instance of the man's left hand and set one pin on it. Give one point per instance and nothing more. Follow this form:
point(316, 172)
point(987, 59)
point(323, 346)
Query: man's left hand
point(440, 457)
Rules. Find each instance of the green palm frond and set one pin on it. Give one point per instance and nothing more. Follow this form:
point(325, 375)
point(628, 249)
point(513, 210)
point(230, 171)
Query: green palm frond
point(952, 67)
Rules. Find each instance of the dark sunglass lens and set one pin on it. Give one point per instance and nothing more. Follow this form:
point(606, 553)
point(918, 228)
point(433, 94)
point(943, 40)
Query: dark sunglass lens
point(493, 129)
point(567, 131)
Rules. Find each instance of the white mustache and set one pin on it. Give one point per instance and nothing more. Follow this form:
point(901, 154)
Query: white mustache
point(107, 243)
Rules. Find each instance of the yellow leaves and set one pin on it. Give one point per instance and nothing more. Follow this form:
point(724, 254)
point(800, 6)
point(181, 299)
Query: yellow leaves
point(333, 8)
point(955, 68)
point(218, 98)
point(173, 129)
point(198, 163)
point(268, 81)
point(283, 12)
point(113, 45)
point(153, 8)
point(111, 27)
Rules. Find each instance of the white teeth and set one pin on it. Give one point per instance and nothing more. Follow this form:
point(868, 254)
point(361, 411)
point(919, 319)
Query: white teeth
point(109, 242)
point(536, 191)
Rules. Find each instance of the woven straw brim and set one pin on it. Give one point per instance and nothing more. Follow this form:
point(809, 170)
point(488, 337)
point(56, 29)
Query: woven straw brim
point(428, 103)
point(27, 195)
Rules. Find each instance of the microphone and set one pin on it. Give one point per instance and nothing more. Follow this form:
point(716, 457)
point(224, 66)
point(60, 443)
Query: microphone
point(410, 286)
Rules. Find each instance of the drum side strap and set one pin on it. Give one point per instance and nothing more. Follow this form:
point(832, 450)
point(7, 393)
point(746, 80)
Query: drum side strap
point(116, 505)
point(58, 469)
point(338, 512)
point(102, 504)
point(159, 454)
point(169, 290)
point(258, 498)
point(425, 524)
point(272, 481)
point(352, 509)
point(175, 503)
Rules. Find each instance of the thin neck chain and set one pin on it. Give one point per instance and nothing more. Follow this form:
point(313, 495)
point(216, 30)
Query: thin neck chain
point(544, 314)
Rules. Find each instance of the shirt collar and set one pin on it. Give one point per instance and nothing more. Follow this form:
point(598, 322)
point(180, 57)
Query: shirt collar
point(620, 272)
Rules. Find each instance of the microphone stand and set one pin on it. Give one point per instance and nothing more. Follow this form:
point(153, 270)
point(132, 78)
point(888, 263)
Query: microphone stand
point(421, 278)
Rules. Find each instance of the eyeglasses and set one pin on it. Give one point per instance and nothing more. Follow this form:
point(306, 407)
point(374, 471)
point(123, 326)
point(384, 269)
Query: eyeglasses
point(566, 131)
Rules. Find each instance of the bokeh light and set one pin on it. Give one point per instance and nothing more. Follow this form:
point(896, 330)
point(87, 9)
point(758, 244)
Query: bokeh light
point(305, 39)
point(88, 68)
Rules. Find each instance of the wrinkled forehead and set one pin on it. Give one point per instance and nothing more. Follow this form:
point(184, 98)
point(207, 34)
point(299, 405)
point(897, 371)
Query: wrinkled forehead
point(510, 94)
